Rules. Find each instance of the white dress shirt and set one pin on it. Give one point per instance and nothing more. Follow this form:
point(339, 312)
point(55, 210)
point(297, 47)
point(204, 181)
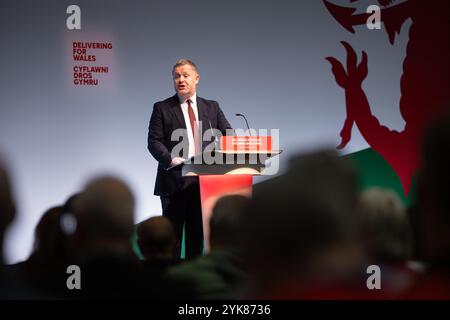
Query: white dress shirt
point(184, 107)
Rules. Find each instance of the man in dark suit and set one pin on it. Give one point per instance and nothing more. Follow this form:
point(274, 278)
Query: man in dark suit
point(181, 120)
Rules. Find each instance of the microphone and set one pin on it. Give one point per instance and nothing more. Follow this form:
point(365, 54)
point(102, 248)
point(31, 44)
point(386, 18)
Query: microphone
point(216, 140)
point(210, 126)
point(241, 115)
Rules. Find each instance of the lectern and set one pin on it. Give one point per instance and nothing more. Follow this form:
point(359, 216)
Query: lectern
point(228, 170)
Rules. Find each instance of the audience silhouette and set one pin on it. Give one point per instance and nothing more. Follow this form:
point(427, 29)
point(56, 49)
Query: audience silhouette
point(218, 274)
point(310, 233)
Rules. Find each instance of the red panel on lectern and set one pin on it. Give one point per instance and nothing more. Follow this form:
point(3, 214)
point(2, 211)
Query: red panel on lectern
point(215, 185)
point(246, 143)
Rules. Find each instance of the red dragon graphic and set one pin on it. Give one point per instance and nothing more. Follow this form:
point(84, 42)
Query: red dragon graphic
point(424, 83)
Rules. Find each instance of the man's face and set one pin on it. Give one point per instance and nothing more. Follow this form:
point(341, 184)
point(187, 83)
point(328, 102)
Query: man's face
point(185, 80)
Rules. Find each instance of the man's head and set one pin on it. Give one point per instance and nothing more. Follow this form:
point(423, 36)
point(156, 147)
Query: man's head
point(226, 220)
point(185, 78)
point(156, 238)
point(49, 237)
point(298, 216)
point(383, 225)
point(105, 210)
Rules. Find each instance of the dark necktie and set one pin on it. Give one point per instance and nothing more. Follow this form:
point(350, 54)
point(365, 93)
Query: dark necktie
point(194, 127)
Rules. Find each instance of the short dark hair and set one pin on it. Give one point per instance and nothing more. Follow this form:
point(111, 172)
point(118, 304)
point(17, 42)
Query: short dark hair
point(183, 62)
point(155, 235)
point(226, 220)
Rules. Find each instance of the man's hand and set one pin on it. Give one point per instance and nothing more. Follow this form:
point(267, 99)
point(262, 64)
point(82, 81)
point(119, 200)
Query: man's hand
point(176, 161)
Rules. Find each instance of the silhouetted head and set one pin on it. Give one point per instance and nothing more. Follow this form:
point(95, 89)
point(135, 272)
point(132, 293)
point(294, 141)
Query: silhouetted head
point(300, 215)
point(226, 221)
point(7, 206)
point(49, 237)
point(436, 163)
point(384, 226)
point(105, 210)
point(156, 238)
point(431, 219)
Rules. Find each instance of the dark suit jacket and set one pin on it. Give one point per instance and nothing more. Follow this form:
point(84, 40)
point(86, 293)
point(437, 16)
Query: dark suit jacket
point(167, 116)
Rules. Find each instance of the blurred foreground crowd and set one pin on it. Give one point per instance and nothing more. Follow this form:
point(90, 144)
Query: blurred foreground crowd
point(310, 233)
